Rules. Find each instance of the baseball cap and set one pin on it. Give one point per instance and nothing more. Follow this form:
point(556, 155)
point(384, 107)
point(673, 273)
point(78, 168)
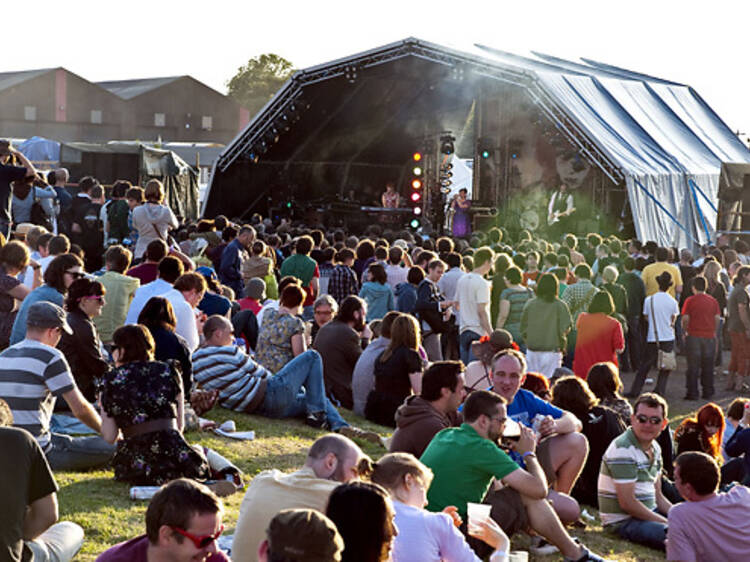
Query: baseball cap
point(304, 535)
point(47, 315)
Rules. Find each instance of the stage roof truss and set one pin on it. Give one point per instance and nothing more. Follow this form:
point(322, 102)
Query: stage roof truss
point(292, 90)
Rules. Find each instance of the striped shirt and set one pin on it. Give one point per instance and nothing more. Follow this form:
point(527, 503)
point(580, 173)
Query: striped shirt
point(241, 381)
point(625, 462)
point(32, 376)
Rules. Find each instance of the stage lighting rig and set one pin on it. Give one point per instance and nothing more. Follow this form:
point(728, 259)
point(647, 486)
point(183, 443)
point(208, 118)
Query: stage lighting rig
point(446, 144)
point(417, 183)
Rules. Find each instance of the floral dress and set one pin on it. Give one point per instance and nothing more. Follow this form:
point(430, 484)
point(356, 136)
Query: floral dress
point(274, 348)
point(143, 391)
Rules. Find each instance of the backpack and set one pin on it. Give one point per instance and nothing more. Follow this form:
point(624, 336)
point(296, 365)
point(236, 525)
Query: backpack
point(117, 217)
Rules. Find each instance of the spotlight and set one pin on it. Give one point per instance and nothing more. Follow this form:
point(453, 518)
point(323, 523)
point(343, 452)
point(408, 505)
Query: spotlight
point(415, 196)
point(446, 144)
point(417, 211)
point(417, 171)
point(417, 156)
point(416, 184)
point(414, 223)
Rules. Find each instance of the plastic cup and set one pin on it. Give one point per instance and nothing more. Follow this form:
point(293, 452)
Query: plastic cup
point(477, 512)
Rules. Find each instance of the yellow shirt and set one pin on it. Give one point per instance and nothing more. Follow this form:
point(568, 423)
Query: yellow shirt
point(270, 492)
point(652, 271)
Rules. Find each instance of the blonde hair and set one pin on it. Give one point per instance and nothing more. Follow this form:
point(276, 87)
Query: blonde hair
point(610, 274)
point(391, 470)
point(154, 191)
point(711, 271)
point(404, 332)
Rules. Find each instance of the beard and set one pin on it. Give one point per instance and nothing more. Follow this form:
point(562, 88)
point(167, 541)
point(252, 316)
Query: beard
point(359, 324)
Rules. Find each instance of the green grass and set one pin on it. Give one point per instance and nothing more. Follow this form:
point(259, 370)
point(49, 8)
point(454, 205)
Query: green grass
point(102, 506)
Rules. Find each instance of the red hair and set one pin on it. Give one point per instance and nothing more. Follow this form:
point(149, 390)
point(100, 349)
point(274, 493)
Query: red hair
point(708, 414)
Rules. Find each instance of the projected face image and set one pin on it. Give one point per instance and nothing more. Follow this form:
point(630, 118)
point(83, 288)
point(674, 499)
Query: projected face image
point(572, 169)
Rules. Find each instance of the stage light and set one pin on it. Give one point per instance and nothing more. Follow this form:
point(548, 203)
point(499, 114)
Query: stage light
point(416, 184)
point(288, 204)
point(417, 171)
point(485, 154)
point(414, 223)
point(416, 196)
point(446, 144)
point(417, 210)
point(417, 156)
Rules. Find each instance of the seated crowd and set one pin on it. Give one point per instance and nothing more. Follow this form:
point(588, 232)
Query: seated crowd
point(500, 380)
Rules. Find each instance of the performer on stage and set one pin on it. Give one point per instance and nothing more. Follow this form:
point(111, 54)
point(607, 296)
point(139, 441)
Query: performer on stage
point(390, 198)
point(461, 218)
point(560, 211)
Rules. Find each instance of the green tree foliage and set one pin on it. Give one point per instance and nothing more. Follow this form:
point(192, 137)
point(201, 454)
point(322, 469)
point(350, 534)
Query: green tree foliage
point(258, 80)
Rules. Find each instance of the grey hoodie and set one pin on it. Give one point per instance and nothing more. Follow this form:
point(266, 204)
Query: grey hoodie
point(153, 222)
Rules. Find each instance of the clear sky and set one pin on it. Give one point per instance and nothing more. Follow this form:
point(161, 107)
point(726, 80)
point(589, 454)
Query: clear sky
point(699, 43)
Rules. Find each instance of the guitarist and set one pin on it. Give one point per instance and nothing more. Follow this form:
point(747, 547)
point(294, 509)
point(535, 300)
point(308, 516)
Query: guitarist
point(560, 211)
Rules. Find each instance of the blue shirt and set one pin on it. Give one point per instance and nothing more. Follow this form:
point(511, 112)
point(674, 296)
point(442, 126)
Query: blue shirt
point(526, 405)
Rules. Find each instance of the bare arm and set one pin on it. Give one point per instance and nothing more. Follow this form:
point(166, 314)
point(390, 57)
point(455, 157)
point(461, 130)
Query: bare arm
point(40, 516)
point(502, 315)
point(484, 318)
point(110, 431)
point(299, 345)
point(181, 411)
point(416, 382)
point(315, 286)
point(25, 162)
point(662, 503)
point(568, 423)
point(630, 505)
point(685, 319)
point(83, 410)
point(19, 292)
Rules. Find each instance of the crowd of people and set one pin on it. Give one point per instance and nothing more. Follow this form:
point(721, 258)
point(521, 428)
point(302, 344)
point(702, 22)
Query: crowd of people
point(496, 359)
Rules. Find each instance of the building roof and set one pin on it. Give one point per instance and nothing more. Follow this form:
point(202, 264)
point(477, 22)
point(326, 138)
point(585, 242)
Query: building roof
point(129, 89)
point(10, 79)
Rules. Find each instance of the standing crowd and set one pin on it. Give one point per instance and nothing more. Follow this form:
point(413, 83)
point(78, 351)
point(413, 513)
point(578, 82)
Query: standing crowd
point(496, 359)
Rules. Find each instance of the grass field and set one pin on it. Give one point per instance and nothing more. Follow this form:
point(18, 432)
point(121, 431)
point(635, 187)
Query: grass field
point(102, 506)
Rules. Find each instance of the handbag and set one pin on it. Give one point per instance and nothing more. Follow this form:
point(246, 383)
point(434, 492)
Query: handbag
point(665, 360)
point(38, 215)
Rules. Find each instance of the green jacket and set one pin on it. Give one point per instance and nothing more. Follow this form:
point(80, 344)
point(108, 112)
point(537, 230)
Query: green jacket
point(120, 290)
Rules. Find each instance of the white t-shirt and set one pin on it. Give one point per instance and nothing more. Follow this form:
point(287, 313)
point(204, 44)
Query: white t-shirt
point(664, 308)
point(187, 324)
point(471, 291)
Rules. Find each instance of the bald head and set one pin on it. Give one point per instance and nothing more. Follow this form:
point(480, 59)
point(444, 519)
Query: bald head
point(218, 331)
point(334, 457)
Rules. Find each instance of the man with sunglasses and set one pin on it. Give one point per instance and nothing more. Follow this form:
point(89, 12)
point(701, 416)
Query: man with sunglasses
point(183, 522)
point(468, 466)
point(631, 502)
point(332, 460)
point(33, 374)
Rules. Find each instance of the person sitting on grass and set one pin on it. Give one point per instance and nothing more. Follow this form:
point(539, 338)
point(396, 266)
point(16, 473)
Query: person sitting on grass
point(420, 417)
point(708, 525)
point(301, 535)
point(631, 503)
point(183, 522)
point(246, 386)
point(433, 535)
point(464, 461)
point(31, 529)
point(331, 460)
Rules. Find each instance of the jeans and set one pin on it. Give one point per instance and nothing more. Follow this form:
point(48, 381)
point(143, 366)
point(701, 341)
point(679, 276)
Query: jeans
point(298, 390)
point(5, 229)
point(649, 361)
point(631, 357)
point(700, 358)
point(649, 533)
point(60, 543)
point(78, 453)
point(464, 342)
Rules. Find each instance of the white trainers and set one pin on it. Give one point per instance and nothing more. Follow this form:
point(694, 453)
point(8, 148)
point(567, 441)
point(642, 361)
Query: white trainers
point(541, 547)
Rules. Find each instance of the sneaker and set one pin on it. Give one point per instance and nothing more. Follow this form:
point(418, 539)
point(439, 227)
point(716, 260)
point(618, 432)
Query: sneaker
point(587, 556)
point(223, 488)
point(317, 420)
point(353, 432)
point(541, 547)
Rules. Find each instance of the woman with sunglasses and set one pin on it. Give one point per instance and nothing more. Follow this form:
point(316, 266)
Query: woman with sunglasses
point(433, 535)
point(83, 348)
point(59, 275)
point(143, 412)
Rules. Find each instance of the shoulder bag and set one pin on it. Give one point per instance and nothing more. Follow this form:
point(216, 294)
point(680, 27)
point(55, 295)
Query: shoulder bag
point(665, 360)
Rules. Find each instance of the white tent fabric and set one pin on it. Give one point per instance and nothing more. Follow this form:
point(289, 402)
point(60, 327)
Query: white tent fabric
point(666, 140)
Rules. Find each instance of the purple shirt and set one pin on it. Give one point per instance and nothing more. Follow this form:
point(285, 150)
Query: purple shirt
point(713, 530)
point(135, 550)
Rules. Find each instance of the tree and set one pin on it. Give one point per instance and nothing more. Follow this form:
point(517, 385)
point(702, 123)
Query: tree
point(257, 81)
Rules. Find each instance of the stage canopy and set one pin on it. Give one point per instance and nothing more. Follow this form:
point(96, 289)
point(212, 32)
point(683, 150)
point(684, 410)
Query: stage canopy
point(658, 139)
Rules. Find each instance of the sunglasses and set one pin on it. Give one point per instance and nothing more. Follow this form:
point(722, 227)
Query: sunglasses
point(76, 274)
point(201, 541)
point(98, 298)
point(653, 420)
